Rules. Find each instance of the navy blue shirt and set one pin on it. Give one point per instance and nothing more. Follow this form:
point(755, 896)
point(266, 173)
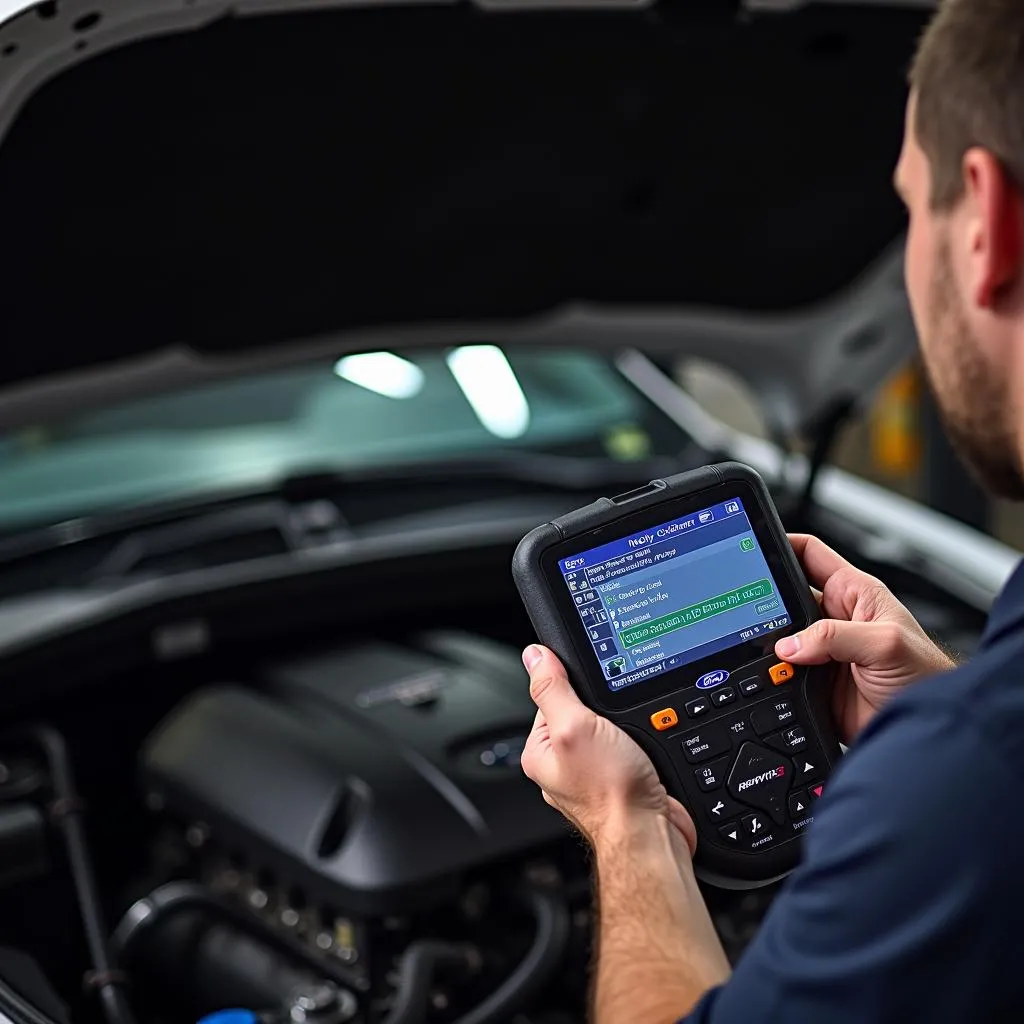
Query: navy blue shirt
point(909, 904)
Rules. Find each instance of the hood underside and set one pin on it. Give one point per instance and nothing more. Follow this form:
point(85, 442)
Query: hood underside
point(266, 180)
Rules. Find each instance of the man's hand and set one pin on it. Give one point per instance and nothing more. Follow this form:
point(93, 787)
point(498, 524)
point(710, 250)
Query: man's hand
point(879, 644)
point(658, 952)
point(587, 767)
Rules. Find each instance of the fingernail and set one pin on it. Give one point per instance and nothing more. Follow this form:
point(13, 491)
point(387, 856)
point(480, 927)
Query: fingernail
point(531, 656)
point(787, 646)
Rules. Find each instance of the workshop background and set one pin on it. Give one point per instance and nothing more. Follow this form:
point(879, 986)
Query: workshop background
point(900, 445)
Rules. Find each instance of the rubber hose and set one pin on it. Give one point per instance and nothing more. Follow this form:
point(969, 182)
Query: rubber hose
point(541, 961)
point(551, 917)
point(416, 974)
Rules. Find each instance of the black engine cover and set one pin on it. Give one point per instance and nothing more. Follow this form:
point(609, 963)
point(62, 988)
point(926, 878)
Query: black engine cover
point(371, 777)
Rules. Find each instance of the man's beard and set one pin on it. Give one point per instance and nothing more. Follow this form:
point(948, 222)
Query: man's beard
point(974, 399)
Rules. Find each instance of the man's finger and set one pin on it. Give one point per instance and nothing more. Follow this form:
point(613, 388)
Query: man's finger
point(866, 643)
point(549, 685)
point(818, 559)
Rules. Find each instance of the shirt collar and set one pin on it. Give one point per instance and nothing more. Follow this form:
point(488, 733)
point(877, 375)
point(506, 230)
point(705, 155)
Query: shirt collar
point(1008, 609)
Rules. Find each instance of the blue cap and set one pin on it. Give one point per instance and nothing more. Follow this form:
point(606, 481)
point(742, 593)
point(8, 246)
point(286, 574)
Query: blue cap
point(230, 1017)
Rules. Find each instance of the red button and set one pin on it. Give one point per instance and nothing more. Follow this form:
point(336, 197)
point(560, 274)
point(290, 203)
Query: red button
point(816, 791)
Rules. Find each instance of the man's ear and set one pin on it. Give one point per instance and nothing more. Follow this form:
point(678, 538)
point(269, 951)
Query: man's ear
point(994, 221)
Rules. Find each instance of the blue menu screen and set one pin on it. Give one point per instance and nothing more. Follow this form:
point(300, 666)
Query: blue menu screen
point(674, 593)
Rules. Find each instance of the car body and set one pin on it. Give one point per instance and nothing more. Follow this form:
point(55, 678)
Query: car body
point(309, 314)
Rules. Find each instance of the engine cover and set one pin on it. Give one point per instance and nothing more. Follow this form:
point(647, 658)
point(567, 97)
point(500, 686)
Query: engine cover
point(370, 777)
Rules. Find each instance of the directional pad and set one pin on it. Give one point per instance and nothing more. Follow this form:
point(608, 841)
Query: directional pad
point(761, 778)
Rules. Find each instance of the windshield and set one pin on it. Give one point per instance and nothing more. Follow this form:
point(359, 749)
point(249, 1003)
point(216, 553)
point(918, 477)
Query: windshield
point(370, 409)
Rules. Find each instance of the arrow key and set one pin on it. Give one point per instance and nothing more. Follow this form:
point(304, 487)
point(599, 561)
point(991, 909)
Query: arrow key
point(698, 707)
point(799, 805)
point(722, 808)
point(806, 766)
point(732, 834)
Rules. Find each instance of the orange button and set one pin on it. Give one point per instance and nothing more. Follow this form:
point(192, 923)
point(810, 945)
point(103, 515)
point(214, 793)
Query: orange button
point(664, 719)
point(781, 673)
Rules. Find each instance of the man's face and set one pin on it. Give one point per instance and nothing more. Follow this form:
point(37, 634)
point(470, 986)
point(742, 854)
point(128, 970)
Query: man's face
point(962, 353)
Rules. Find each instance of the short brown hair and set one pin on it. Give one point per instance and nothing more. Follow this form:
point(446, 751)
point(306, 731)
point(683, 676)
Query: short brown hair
point(968, 80)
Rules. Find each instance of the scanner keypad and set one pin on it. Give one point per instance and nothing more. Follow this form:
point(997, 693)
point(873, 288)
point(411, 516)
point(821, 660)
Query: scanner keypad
point(754, 764)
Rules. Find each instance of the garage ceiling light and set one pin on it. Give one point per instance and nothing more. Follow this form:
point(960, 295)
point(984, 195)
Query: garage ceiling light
point(381, 372)
point(491, 388)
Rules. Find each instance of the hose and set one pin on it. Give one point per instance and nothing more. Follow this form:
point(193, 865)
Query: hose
point(419, 964)
point(176, 897)
point(542, 959)
point(66, 812)
point(416, 976)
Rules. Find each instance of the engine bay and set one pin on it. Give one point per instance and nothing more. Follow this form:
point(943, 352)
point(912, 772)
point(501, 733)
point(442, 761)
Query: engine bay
point(355, 797)
point(310, 828)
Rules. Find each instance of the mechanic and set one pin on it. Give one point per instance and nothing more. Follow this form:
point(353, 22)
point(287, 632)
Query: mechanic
point(909, 903)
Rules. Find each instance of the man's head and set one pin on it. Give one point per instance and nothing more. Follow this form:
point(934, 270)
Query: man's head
point(961, 175)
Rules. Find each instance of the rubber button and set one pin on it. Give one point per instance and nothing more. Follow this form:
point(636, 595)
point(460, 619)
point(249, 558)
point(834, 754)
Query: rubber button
point(732, 834)
point(748, 687)
point(698, 707)
point(664, 719)
point(755, 826)
point(720, 808)
point(705, 744)
point(781, 673)
point(789, 741)
point(724, 696)
point(711, 776)
point(799, 805)
point(806, 766)
point(772, 715)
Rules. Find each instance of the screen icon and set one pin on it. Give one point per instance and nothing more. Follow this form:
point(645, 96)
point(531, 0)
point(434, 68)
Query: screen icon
point(732, 507)
point(614, 667)
point(706, 517)
point(747, 544)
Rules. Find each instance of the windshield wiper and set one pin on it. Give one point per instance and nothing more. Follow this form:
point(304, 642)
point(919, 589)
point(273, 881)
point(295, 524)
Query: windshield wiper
point(298, 507)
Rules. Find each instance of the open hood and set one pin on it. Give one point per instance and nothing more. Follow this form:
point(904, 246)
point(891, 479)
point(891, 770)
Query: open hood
point(189, 188)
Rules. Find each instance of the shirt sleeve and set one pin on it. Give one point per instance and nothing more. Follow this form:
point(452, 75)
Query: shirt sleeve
point(895, 913)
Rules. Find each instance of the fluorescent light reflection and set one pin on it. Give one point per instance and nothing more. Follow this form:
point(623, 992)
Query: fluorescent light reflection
point(381, 372)
point(491, 388)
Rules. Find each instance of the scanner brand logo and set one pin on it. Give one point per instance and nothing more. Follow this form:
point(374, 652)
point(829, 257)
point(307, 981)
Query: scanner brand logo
point(710, 679)
point(775, 773)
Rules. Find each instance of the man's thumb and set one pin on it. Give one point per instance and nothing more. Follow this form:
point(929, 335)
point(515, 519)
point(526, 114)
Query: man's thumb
point(549, 685)
point(836, 640)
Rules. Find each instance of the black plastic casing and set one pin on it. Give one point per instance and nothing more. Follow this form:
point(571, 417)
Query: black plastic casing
point(557, 626)
point(371, 778)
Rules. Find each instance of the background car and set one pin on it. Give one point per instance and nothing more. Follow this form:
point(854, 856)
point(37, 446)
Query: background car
point(308, 315)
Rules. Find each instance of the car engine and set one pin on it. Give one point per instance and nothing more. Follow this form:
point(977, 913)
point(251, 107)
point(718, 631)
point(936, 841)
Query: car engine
point(343, 842)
